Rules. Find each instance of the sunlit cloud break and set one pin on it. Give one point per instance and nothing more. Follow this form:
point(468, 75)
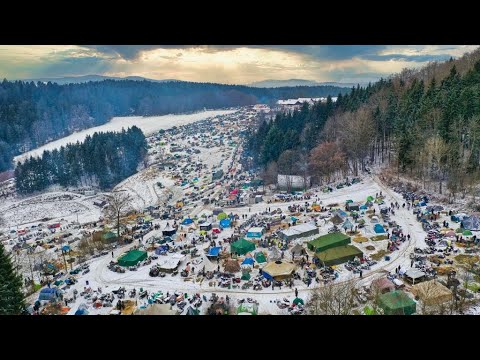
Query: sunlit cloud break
point(231, 64)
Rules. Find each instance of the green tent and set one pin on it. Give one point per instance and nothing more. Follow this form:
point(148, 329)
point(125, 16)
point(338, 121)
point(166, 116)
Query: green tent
point(397, 303)
point(260, 257)
point(297, 301)
point(245, 276)
point(222, 216)
point(459, 230)
point(467, 233)
point(349, 201)
point(242, 246)
point(132, 258)
point(338, 255)
point(248, 308)
point(109, 236)
point(328, 241)
point(367, 310)
point(370, 198)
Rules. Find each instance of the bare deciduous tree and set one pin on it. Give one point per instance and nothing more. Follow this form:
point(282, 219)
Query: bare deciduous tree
point(118, 203)
point(333, 299)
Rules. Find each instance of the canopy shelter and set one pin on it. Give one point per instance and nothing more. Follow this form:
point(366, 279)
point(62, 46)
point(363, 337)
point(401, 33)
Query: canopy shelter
point(232, 266)
point(379, 229)
point(132, 258)
point(384, 285)
point(156, 309)
point(298, 231)
point(214, 251)
point(169, 230)
point(298, 250)
point(206, 226)
point(255, 232)
point(242, 246)
point(397, 303)
point(260, 257)
point(432, 292)
point(414, 276)
point(338, 255)
point(247, 308)
point(328, 241)
point(278, 270)
point(225, 223)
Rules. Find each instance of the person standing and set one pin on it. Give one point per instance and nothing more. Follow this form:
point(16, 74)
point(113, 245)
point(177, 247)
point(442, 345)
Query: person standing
point(361, 274)
point(296, 293)
point(112, 254)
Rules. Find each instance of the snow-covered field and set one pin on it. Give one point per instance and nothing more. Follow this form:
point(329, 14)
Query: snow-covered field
point(148, 124)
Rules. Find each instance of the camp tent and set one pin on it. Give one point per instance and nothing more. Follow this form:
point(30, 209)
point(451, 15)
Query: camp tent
point(297, 301)
point(275, 254)
point(225, 223)
point(187, 221)
point(336, 220)
point(169, 230)
point(232, 266)
point(278, 270)
point(353, 206)
point(192, 311)
point(248, 261)
point(217, 211)
point(328, 241)
point(467, 233)
point(132, 258)
point(338, 255)
point(50, 294)
point(471, 223)
point(379, 229)
point(255, 232)
point(397, 303)
point(298, 250)
point(298, 231)
point(370, 198)
point(242, 246)
point(347, 225)
point(260, 257)
point(156, 309)
point(247, 309)
point(222, 216)
point(374, 219)
point(432, 292)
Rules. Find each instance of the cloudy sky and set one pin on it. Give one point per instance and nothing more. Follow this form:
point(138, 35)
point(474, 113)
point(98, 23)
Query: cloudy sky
point(240, 64)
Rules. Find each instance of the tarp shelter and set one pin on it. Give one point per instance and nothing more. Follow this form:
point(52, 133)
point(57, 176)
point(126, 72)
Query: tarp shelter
point(214, 251)
point(379, 229)
point(169, 230)
point(248, 261)
point(298, 250)
point(328, 241)
point(156, 309)
point(50, 294)
point(255, 232)
point(260, 257)
point(278, 270)
point(336, 220)
point(432, 292)
point(397, 303)
point(132, 258)
point(206, 226)
point(232, 266)
point(338, 255)
point(347, 225)
point(187, 221)
point(414, 275)
point(242, 246)
point(298, 231)
point(384, 285)
point(247, 308)
point(225, 223)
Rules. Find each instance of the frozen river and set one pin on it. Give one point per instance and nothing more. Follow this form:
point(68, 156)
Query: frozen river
point(149, 125)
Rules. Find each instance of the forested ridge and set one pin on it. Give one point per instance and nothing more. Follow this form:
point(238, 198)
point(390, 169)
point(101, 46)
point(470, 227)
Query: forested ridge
point(32, 114)
point(103, 159)
point(422, 123)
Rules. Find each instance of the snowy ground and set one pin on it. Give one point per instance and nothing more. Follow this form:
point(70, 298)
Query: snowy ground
point(149, 125)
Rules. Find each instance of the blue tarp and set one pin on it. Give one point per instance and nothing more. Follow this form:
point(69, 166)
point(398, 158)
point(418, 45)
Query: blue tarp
point(266, 275)
point(379, 229)
point(248, 261)
point(65, 248)
point(81, 312)
point(214, 251)
point(49, 294)
point(187, 221)
point(225, 223)
point(161, 249)
point(363, 207)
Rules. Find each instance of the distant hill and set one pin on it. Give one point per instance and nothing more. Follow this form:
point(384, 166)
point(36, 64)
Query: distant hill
point(298, 82)
point(87, 78)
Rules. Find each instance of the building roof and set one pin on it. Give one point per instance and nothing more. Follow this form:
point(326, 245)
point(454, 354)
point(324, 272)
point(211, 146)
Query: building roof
point(329, 239)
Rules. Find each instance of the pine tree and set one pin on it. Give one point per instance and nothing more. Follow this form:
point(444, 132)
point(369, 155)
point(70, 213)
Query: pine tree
point(11, 296)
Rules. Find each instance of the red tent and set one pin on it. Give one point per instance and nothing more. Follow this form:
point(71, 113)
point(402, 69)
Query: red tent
point(234, 192)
